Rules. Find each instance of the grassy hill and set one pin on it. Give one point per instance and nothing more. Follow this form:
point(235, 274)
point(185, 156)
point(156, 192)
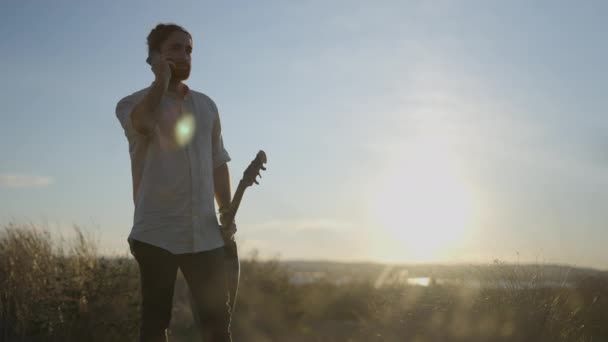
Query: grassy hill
point(63, 291)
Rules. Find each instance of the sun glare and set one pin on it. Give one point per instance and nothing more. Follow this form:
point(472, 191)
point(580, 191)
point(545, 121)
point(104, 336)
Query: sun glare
point(424, 203)
point(184, 129)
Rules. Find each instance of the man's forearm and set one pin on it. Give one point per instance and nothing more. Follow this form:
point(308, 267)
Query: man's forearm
point(144, 113)
point(221, 185)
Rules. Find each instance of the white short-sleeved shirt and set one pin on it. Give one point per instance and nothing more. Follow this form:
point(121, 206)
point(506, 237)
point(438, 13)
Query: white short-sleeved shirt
point(172, 170)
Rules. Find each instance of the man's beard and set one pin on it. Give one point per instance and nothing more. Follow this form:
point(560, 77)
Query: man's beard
point(180, 74)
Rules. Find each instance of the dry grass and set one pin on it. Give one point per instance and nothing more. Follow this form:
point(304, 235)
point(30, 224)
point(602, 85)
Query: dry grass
point(61, 290)
point(55, 290)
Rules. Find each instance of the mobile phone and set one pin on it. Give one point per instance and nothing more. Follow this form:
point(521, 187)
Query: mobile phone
point(157, 55)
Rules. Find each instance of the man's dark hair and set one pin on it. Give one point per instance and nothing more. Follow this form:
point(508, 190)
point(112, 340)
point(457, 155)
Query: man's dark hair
point(160, 33)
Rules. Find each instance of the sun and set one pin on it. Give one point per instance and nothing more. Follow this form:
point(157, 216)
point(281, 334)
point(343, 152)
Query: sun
point(423, 204)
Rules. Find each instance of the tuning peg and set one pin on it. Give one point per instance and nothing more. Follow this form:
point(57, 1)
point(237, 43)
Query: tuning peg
point(262, 167)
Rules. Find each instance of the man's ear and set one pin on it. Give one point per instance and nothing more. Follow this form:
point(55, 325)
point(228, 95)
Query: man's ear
point(151, 56)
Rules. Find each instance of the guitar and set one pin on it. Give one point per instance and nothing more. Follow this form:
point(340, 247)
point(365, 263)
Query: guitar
point(230, 248)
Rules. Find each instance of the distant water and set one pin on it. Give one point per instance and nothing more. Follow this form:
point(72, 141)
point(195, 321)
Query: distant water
point(311, 277)
point(496, 284)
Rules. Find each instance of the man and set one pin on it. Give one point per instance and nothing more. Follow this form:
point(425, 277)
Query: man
point(178, 165)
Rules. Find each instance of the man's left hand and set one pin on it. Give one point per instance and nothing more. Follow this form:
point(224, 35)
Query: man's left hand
point(228, 232)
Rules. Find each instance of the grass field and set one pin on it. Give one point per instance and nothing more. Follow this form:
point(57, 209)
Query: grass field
point(62, 290)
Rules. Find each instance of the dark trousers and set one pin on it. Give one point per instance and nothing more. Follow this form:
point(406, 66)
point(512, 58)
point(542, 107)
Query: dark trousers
point(205, 274)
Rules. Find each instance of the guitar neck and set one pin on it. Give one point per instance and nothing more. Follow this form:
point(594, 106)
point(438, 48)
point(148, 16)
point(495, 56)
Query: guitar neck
point(249, 177)
point(236, 199)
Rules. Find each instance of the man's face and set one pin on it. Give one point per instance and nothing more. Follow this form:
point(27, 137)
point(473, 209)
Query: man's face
point(178, 48)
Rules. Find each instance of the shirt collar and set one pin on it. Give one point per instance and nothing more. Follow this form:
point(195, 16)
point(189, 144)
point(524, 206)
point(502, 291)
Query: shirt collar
point(182, 91)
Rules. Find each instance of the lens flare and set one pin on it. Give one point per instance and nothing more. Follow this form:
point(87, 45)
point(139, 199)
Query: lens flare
point(184, 129)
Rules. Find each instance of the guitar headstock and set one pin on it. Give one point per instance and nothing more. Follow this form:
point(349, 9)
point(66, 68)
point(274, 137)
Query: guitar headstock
point(253, 170)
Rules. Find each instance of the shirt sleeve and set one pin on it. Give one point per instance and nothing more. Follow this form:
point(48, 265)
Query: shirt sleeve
point(124, 108)
point(220, 155)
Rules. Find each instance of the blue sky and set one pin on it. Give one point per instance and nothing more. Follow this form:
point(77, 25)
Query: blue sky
point(435, 131)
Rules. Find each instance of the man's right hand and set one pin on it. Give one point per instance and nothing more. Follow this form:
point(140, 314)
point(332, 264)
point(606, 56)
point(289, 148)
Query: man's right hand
point(144, 115)
point(161, 66)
